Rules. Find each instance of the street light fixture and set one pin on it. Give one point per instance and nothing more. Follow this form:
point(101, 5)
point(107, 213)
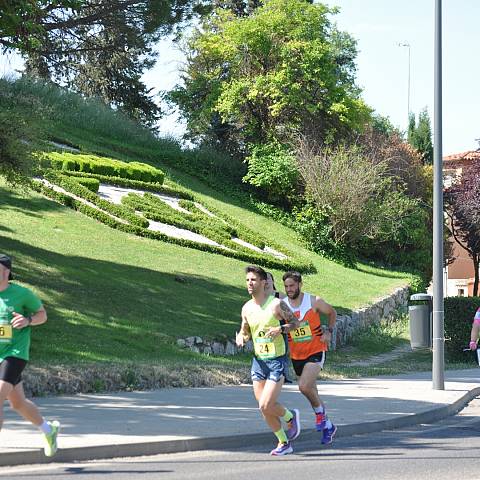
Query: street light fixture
point(406, 44)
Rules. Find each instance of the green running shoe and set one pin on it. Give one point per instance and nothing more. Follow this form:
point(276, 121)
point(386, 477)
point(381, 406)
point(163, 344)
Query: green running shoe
point(51, 439)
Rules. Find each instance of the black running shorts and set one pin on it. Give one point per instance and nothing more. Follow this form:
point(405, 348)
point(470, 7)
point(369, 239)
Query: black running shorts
point(11, 370)
point(318, 358)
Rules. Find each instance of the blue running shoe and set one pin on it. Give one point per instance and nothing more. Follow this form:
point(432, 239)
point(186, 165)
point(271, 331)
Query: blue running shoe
point(282, 449)
point(320, 422)
point(293, 426)
point(328, 434)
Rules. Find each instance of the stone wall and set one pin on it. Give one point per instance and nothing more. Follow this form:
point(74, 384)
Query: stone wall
point(383, 309)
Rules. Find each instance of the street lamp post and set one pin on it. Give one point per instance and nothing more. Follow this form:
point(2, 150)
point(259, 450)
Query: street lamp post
point(438, 366)
point(406, 44)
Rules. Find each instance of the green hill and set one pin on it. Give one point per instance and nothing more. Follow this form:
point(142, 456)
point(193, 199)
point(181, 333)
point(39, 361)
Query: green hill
point(116, 297)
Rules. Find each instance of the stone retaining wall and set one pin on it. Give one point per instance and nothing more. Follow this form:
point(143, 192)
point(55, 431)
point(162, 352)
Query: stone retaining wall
point(383, 309)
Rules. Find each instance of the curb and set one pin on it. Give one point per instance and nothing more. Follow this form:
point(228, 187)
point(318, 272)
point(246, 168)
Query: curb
point(226, 442)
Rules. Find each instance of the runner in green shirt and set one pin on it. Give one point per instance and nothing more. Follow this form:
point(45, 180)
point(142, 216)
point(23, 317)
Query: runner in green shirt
point(20, 309)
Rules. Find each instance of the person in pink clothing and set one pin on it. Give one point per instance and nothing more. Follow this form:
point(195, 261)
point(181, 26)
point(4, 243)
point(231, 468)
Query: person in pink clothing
point(475, 330)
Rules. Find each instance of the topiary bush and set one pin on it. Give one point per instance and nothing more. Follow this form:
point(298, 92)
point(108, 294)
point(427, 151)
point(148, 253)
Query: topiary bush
point(459, 313)
point(91, 183)
point(72, 162)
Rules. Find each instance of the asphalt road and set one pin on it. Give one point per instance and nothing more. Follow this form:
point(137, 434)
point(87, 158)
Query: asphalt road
point(446, 450)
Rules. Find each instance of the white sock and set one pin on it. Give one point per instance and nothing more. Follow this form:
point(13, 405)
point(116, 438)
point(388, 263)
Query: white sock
point(328, 424)
point(319, 409)
point(46, 428)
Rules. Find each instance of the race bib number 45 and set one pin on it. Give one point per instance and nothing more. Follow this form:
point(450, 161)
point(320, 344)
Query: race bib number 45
point(302, 334)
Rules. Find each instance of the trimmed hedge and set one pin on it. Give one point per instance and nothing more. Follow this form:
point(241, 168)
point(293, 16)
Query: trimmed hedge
point(91, 183)
point(101, 166)
point(155, 209)
point(136, 184)
point(72, 186)
point(251, 257)
point(458, 319)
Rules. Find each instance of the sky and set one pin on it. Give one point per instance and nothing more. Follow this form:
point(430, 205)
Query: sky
point(382, 65)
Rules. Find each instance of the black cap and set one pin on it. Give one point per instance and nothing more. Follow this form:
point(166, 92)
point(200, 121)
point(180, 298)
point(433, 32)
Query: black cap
point(6, 261)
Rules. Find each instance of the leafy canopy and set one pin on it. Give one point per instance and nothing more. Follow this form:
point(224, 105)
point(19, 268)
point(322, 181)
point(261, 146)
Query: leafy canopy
point(281, 70)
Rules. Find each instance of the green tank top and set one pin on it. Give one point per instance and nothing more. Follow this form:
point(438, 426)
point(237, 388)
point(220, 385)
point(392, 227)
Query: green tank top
point(260, 319)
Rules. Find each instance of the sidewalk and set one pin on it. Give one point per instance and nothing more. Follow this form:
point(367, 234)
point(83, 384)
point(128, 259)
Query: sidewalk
point(225, 418)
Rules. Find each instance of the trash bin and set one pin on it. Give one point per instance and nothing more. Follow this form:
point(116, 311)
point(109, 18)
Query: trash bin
point(420, 319)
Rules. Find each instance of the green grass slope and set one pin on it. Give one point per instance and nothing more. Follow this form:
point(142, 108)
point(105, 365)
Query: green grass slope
point(115, 297)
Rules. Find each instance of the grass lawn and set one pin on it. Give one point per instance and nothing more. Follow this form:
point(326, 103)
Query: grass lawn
point(114, 297)
point(117, 298)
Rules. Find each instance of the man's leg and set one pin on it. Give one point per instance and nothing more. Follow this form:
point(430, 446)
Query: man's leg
point(272, 411)
point(267, 402)
point(5, 390)
point(29, 411)
point(307, 384)
point(26, 408)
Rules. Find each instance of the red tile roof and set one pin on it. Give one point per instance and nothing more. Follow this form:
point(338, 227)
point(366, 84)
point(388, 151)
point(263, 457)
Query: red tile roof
point(465, 156)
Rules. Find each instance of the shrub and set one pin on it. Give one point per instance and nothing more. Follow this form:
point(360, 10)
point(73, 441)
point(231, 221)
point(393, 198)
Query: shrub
point(102, 166)
point(251, 257)
point(271, 168)
point(72, 186)
point(316, 232)
point(174, 191)
point(91, 183)
point(70, 164)
point(459, 313)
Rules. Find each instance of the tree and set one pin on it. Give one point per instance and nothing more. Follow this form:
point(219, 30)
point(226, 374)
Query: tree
point(18, 130)
point(462, 205)
point(239, 8)
point(96, 47)
point(420, 136)
point(283, 69)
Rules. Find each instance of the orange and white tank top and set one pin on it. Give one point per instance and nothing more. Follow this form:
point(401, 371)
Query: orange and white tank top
point(306, 340)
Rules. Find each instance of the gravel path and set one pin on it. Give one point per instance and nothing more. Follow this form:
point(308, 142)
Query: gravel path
point(383, 357)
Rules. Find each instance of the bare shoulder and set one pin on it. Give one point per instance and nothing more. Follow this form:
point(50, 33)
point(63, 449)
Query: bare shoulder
point(276, 303)
point(320, 304)
point(246, 307)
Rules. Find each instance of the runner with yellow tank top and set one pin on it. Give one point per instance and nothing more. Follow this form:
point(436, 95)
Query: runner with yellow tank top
point(308, 346)
point(266, 320)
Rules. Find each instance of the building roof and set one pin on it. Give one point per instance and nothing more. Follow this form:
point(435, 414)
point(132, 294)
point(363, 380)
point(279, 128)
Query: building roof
point(463, 157)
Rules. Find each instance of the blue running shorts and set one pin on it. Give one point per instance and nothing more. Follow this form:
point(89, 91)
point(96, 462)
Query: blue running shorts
point(273, 369)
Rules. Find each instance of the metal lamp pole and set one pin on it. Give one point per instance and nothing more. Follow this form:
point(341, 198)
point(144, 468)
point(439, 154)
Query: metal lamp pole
point(438, 366)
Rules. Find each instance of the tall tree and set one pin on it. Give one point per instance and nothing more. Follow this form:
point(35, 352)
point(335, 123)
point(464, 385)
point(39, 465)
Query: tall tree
point(419, 136)
point(97, 47)
point(239, 8)
point(285, 68)
point(462, 202)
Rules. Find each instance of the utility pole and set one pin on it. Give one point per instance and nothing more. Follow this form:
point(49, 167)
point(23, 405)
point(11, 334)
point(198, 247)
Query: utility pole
point(438, 366)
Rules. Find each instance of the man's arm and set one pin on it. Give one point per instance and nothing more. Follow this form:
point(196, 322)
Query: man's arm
point(19, 321)
point(321, 306)
point(474, 333)
point(244, 334)
point(288, 321)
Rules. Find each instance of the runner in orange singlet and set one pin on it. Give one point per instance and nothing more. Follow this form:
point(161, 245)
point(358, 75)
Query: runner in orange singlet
point(308, 345)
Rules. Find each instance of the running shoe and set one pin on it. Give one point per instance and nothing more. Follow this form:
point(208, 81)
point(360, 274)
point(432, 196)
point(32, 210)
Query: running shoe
point(320, 422)
point(282, 449)
point(293, 426)
point(51, 439)
point(328, 434)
